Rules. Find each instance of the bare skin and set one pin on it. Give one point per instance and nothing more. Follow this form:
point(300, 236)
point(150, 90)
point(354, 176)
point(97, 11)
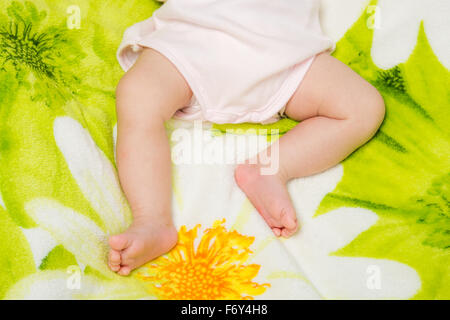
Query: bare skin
point(148, 95)
point(339, 110)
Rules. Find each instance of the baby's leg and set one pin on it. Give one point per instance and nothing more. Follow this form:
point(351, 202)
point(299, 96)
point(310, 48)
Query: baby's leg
point(148, 94)
point(339, 111)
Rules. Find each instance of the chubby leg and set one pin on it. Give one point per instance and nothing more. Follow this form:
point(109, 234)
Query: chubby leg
point(340, 112)
point(148, 94)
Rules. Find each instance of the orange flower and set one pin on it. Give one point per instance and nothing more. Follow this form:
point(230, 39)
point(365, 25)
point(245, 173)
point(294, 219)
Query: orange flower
point(214, 269)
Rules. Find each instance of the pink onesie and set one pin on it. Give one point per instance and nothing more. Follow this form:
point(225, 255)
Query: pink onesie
point(243, 59)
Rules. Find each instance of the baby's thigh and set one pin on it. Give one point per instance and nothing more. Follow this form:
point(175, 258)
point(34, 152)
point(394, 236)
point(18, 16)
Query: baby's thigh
point(152, 84)
point(331, 89)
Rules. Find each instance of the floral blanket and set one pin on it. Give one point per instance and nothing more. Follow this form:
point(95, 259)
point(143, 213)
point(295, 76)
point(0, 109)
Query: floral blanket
point(376, 226)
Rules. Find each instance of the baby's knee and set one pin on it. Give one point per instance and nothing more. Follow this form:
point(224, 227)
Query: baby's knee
point(376, 108)
point(371, 111)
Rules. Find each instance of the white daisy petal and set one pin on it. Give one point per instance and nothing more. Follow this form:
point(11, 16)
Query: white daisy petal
point(397, 36)
point(284, 274)
point(307, 193)
point(59, 285)
point(75, 232)
point(356, 278)
point(41, 243)
point(289, 286)
point(48, 285)
point(338, 16)
point(93, 172)
point(347, 277)
point(437, 28)
point(221, 189)
point(364, 278)
point(329, 232)
point(118, 289)
point(400, 20)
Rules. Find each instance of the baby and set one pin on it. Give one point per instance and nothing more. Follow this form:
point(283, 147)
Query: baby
point(231, 61)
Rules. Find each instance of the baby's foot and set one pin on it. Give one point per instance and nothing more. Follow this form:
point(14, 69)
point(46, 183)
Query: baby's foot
point(269, 195)
point(144, 241)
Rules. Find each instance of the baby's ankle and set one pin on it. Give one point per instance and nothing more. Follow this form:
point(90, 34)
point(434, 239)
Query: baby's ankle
point(151, 217)
point(249, 171)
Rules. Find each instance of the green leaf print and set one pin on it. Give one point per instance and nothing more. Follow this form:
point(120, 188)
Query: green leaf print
point(49, 70)
point(38, 55)
point(16, 261)
point(58, 258)
point(403, 174)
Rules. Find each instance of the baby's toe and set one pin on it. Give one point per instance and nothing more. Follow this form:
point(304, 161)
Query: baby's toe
point(276, 232)
point(114, 268)
point(124, 271)
point(120, 242)
point(286, 233)
point(289, 219)
point(114, 260)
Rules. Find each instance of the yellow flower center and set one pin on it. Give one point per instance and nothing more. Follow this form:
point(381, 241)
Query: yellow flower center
point(214, 269)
